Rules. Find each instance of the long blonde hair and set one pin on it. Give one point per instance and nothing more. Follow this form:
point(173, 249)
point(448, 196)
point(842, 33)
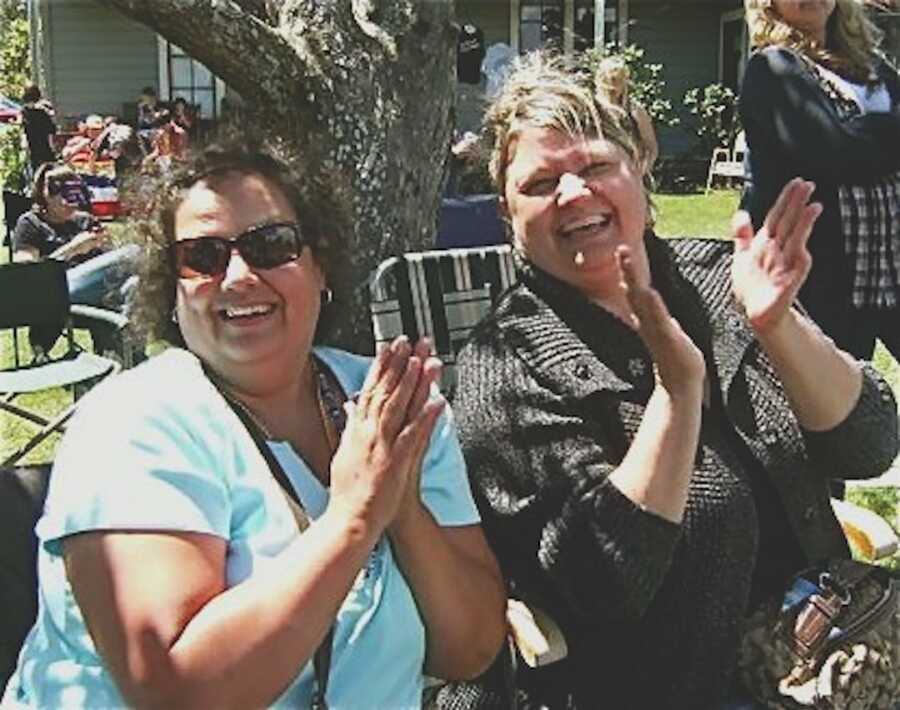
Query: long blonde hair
point(851, 45)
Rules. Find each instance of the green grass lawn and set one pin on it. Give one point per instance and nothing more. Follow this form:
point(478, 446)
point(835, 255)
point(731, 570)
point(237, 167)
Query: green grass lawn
point(696, 215)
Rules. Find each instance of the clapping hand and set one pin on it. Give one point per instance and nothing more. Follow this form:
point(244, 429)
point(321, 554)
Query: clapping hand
point(680, 367)
point(770, 266)
point(374, 473)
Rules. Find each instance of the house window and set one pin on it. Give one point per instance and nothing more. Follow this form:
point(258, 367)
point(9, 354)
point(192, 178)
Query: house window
point(192, 81)
point(583, 29)
point(733, 45)
point(564, 24)
point(540, 24)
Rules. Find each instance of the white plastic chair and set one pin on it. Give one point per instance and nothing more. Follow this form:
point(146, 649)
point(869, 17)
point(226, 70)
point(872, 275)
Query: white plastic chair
point(728, 163)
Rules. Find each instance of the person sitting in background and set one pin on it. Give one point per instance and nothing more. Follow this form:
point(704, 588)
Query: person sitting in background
point(59, 227)
point(150, 116)
point(37, 117)
point(84, 146)
point(170, 143)
point(112, 143)
point(223, 510)
point(183, 116)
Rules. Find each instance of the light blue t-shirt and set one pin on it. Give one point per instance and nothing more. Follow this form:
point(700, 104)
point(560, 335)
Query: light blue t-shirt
point(158, 448)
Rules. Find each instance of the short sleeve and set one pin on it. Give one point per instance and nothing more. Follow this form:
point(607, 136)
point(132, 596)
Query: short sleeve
point(130, 462)
point(27, 234)
point(445, 483)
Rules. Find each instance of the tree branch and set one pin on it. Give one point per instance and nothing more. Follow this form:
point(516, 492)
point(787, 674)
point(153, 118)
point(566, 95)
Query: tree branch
point(358, 91)
point(264, 10)
point(248, 54)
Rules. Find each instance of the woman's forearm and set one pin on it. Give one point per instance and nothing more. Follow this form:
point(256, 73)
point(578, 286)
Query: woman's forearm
point(255, 637)
point(822, 382)
point(459, 591)
point(244, 645)
point(656, 472)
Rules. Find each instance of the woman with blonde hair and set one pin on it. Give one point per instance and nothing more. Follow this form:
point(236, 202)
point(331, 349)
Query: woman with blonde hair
point(644, 420)
point(820, 101)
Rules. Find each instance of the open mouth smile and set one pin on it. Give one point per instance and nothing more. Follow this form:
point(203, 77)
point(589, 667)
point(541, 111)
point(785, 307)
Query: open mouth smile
point(246, 312)
point(586, 226)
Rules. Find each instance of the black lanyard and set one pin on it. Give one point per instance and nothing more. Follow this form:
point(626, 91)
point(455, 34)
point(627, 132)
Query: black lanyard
point(322, 656)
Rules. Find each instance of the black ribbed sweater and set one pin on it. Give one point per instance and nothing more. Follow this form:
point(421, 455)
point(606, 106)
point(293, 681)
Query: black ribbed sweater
point(551, 390)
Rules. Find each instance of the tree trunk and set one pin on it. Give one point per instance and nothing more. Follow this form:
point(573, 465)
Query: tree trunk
point(363, 88)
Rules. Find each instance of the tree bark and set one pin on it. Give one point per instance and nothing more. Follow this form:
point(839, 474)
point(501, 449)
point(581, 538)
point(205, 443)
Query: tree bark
point(362, 88)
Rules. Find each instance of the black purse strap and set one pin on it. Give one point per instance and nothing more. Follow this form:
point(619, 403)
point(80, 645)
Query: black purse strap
point(322, 656)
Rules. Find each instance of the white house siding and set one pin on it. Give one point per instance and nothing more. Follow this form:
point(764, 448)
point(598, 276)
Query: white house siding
point(684, 38)
point(96, 57)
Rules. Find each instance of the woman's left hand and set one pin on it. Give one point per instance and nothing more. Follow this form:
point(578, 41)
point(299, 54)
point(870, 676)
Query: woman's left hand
point(770, 266)
point(431, 372)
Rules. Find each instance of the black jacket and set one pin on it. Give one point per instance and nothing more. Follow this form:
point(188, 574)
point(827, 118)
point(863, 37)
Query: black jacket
point(794, 129)
point(551, 392)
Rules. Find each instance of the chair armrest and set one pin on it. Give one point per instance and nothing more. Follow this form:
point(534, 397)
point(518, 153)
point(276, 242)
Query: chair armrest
point(868, 531)
point(105, 315)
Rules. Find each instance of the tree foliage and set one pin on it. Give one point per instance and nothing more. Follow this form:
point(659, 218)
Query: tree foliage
point(15, 59)
point(714, 116)
point(15, 72)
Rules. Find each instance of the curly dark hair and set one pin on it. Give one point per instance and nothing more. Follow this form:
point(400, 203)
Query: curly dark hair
point(322, 213)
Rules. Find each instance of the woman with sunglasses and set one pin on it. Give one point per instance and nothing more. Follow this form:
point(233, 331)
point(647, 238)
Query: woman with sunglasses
point(59, 226)
point(173, 570)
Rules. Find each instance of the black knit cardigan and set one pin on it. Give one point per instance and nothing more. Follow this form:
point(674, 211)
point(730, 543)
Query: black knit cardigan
point(551, 390)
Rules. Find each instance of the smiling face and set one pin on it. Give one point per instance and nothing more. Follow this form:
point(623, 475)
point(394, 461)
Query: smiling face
point(809, 16)
point(63, 194)
point(572, 201)
point(247, 319)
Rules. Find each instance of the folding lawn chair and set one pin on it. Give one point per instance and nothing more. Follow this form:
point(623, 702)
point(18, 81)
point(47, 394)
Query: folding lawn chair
point(441, 294)
point(37, 294)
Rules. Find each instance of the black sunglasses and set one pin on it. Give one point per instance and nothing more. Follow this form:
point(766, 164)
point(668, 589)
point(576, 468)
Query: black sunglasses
point(262, 247)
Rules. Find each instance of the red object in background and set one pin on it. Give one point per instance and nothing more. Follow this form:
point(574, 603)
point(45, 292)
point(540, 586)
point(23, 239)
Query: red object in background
point(106, 210)
point(99, 177)
point(10, 111)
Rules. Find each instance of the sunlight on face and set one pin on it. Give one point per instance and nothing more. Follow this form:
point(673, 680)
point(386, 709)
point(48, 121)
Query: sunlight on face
point(572, 201)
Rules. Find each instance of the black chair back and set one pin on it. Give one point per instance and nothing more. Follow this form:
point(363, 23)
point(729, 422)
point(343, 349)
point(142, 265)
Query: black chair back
point(22, 492)
point(15, 205)
point(33, 293)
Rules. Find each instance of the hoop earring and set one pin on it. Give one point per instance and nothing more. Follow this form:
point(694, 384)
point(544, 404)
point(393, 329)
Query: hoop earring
point(327, 296)
point(173, 316)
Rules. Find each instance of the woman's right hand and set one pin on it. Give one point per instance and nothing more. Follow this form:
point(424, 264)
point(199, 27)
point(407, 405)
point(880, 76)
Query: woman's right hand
point(656, 471)
point(679, 364)
point(387, 429)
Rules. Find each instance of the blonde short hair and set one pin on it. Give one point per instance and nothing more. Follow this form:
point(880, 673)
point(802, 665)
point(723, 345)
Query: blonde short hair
point(547, 90)
point(851, 46)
